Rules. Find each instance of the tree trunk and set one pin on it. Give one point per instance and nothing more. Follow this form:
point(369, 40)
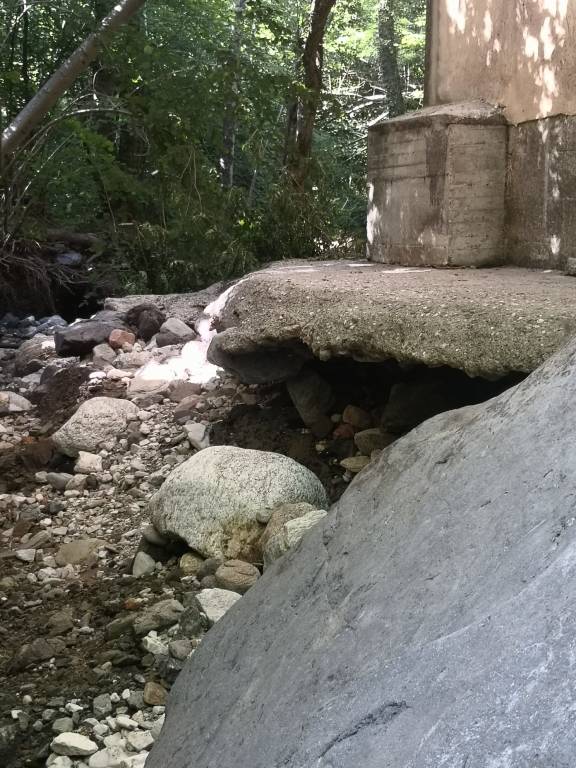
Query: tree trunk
point(231, 105)
point(312, 59)
point(25, 31)
point(20, 128)
point(292, 102)
point(388, 59)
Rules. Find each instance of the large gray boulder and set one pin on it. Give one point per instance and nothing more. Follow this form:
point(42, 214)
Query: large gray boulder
point(212, 500)
point(429, 621)
point(81, 337)
point(96, 421)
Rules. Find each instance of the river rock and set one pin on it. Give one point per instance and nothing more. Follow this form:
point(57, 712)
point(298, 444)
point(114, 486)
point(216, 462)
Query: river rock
point(58, 480)
point(186, 408)
point(237, 576)
point(216, 602)
point(87, 463)
point(312, 397)
point(198, 435)
point(183, 389)
point(356, 417)
point(95, 421)
point(78, 551)
point(190, 564)
point(33, 354)
point(355, 464)
point(73, 745)
point(83, 336)
point(103, 355)
point(109, 757)
point(428, 621)
point(39, 649)
point(191, 623)
point(159, 616)
point(212, 499)
point(288, 534)
point(369, 440)
point(143, 565)
point(146, 319)
point(119, 337)
point(139, 740)
point(102, 705)
point(10, 402)
point(154, 694)
point(144, 392)
point(275, 519)
point(174, 331)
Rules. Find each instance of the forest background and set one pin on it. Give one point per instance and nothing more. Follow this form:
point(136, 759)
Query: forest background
point(173, 158)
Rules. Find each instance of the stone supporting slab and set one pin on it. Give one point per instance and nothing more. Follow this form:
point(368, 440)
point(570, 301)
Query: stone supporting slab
point(487, 322)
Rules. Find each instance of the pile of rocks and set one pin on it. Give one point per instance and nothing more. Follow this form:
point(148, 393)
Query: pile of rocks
point(356, 435)
point(14, 330)
point(102, 608)
point(116, 731)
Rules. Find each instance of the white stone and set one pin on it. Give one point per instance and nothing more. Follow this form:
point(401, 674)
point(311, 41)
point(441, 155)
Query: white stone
point(26, 555)
point(123, 721)
point(157, 727)
point(139, 740)
point(152, 644)
point(10, 402)
point(110, 757)
point(73, 745)
point(115, 740)
point(197, 435)
point(216, 602)
point(143, 564)
point(95, 421)
point(137, 761)
point(88, 463)
point(59, 761)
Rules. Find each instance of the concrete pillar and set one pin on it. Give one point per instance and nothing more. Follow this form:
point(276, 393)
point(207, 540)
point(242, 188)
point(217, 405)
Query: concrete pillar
point(516, 55)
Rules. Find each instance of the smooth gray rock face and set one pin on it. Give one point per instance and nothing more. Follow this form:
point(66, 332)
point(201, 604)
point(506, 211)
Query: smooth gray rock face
point(95, 421)
point(212, 499)
point(429, 621)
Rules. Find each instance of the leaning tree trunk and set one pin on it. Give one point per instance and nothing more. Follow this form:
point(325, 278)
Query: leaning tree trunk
point(388, 59)
point(38, 106)
point(312, 60)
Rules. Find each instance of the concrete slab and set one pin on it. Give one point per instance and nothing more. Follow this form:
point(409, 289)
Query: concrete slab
point(486, 322)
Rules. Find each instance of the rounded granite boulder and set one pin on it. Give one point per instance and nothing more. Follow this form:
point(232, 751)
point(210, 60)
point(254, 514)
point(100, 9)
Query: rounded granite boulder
point(212, 500)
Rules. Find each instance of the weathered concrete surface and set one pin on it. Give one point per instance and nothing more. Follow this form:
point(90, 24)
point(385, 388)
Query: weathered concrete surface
point(429, 621)
point(518, 53)
point(436, 181)
point(486, 322)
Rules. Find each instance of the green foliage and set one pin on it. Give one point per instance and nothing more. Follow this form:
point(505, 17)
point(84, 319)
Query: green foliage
point(142, 166)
